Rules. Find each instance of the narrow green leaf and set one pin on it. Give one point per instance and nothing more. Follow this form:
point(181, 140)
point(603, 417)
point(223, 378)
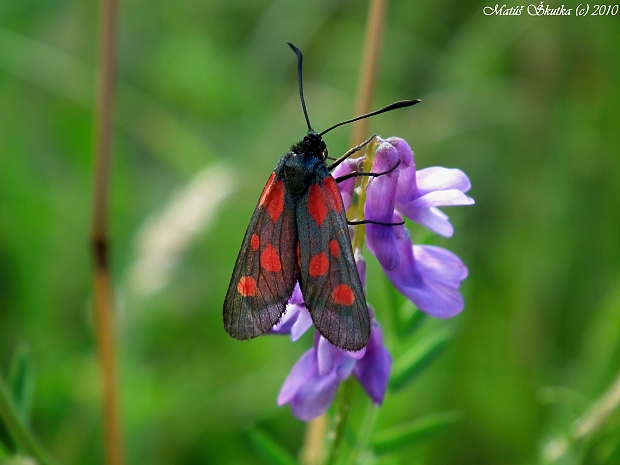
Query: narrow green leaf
point(271, 450)
point(409, 433)
point(409, 319)
point(19, 460)
point(7, 444)
point(388, 461)
point(16, 429)
point(408, 365)
point(21, 381)
point(20, 386)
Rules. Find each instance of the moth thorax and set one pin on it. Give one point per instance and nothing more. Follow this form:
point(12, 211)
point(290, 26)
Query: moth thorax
point(300, 172)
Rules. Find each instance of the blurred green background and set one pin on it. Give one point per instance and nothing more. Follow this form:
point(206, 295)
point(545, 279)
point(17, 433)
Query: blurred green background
point(528, 107)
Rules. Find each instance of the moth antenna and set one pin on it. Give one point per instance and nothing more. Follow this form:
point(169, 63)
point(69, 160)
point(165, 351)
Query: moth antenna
point(300, 59)
point(390, 107)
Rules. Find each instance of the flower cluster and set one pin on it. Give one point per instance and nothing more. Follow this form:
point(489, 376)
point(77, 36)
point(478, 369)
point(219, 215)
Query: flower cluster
point(312, 383)
point(429, 276)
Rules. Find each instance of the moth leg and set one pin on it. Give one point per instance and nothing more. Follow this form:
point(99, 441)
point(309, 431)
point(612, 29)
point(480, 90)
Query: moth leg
point(380, 223)
point(360, 173)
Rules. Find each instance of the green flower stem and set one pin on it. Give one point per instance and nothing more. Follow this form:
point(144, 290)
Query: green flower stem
point(368, 424)
point(343, 406)
point(314, 441)
point(17, 429)
point(357, 210)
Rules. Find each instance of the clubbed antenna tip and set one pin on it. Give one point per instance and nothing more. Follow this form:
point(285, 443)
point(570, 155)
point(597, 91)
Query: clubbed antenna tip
point(390, 107)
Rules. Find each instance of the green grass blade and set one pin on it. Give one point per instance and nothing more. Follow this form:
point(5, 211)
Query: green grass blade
point(272, 451)
point(409, 433)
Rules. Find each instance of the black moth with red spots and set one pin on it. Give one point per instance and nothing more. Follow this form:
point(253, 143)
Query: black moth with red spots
point(300, 207)
point(299, 233)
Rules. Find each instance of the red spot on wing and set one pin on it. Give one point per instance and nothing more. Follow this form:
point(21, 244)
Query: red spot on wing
point(254, 242)
point(272, 198)
point(270, 260)
point(334, 248)
point(318, 265)
point(316, 204)
point(343, 295)
point(332, 193)
point(246, 286)
point(298, 254)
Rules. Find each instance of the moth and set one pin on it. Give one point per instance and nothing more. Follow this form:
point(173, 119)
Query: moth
point(299, 233)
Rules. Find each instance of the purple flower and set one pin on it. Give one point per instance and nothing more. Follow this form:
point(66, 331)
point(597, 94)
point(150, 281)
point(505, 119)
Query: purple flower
point(311, 385)
point(419, 193)
point(428, 276)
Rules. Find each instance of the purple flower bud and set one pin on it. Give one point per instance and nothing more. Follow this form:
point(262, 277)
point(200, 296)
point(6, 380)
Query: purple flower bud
point(407, 186)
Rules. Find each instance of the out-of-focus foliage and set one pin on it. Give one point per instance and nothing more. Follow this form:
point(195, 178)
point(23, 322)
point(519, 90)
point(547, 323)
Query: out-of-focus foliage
point(528, 107)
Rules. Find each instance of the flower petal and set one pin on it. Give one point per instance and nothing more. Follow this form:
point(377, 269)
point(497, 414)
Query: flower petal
point(407, 187)
point(404, 151)
point(435, 299)
point(347, 186)
point(440, 265)
point(381, 190)
point(344, 369)
point(289, 318)
point(383, 243)
point(373, 371)
point(450, 197)
point(438, 178)
point(432, 218)
point(297, 297)
point(358, 354)
point(308, 392)
point(406, 190)
point(333, 359)
point(314, 398)
point(302, 324)
point(295, 311)
point(299, 376)
point(431, 285)
point(325, 356)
